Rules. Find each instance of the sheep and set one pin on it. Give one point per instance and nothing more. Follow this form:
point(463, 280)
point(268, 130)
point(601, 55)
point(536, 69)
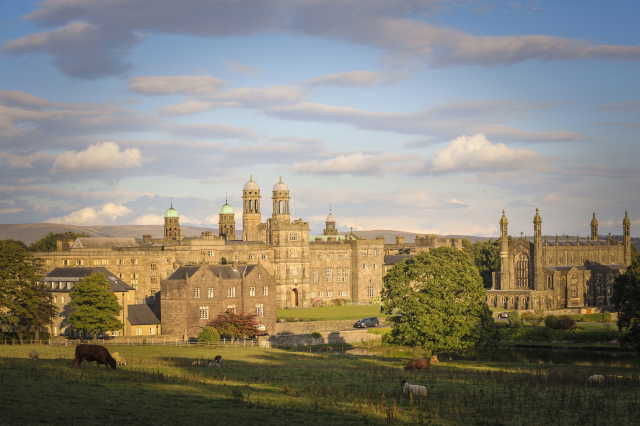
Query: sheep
point(414, 391)
point(596, 379)
point(216, 362)
point(198, 363)
point(34, 355)
point(120, 361)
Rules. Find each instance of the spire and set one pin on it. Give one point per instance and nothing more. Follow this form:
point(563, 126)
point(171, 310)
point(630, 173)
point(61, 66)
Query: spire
point(594, 227)
point(626, 220)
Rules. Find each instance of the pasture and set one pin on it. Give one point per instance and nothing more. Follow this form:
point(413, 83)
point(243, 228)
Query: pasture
point(274, 387)
point(328, 313)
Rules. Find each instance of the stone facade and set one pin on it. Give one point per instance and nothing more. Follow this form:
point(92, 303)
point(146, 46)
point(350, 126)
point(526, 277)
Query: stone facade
point(194, 295)
point(557, 273)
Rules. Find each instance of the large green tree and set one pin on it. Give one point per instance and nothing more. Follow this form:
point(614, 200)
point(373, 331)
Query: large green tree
point(626, 298)
point(48, 242)
point(93, 308)
point(436, 301)
point(486, 256)
point(25, 305)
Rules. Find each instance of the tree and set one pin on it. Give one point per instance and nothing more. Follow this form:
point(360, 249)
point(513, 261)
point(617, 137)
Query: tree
point(437, 301)
point(486, 256)
point(626, 299)
point(208, 335)
point(48, 242)
point(235, 326)
point(25, 305)
point(93, 308)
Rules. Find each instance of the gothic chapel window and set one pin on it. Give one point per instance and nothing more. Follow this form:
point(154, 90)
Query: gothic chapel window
point(522, 271)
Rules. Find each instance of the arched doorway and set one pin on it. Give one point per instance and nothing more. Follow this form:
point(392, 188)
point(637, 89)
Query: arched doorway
point(295, 297)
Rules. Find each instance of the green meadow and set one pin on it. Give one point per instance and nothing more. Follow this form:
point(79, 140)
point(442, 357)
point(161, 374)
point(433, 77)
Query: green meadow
point(328, 313)
point(275, 387)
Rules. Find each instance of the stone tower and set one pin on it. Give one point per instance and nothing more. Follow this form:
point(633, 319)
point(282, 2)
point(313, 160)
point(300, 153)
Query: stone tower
point(251, 216)
point(172, 224)
point(330, 225)
point(227, 222)
point(594, 228)
point(281, 202)
point(504, 252)
point(538, 277)
point(626, 239)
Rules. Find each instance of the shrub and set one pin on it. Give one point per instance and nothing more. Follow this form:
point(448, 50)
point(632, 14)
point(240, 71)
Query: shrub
point(532, 318)
point(339, 302)
point(316, 335)
point(235, 326)
point(552, 322)
point(514, 320)
point(565, 322)
point(208, 335)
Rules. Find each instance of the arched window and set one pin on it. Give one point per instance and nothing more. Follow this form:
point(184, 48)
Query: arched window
point(522, 270)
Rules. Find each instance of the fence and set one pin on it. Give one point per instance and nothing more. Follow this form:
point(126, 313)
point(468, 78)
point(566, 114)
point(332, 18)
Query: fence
point(144, 342)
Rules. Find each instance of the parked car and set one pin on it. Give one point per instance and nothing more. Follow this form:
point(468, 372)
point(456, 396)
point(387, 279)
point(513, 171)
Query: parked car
point(367, 322)
point(503, 315)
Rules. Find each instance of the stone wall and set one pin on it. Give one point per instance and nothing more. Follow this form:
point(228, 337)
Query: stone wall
point(309, 327)
point(332, 337)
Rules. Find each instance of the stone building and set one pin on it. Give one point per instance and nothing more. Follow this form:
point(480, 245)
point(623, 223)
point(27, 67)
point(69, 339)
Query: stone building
point(337, 266)
point(558, 273)
point(194, 295)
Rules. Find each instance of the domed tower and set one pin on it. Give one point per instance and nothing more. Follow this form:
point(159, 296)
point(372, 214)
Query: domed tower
point(227, 222)
point(281, 202)
point(594, 227)
point(172, 224)
point(251, 216)
point(330, 224)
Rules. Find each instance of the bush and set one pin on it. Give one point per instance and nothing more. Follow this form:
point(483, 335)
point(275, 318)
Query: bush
point(316, 335)
point(235, 326)
point(339, 302)
point(532, 318)
point(208, 335)
point(565, 322)
point(552, 322)
point(514, 320)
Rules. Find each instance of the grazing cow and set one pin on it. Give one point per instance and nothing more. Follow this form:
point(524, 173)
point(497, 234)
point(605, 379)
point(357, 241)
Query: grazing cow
point(596, 379)
point(418, 364)
point(34, 355)
point(96, 353)
point(415, 391)
point(120, 361)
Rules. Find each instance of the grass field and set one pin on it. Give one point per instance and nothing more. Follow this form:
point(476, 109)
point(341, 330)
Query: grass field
point(275, 387)
point(325, 313)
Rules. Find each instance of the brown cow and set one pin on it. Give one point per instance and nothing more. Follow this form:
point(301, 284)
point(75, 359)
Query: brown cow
point(418, 364)
point(96, 353)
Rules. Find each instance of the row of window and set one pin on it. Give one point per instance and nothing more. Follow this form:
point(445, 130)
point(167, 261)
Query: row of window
point(102, 262)
point(370, 252)
point(231, 292)
point(150, 330)
point(204, 310)
point(61, 285)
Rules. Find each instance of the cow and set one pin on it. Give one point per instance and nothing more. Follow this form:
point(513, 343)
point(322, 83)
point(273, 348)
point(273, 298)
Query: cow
point(418, 364)
point(96, 353)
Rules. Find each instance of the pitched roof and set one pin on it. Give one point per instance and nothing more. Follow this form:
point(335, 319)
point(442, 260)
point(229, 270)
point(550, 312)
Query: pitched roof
point(142, 315)
point(76, 274)
point(102, 242)
point(392, 259)
point(226, 272)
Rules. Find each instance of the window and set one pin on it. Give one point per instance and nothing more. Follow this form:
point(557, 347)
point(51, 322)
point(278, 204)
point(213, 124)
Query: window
point(374, 266)
point(204, 312)
point(153, 267)
point(293, 236)
point(69, 285)
point(252, 256)
point(210, 253)
point(329, 294)
point(260, 310)
point(134, 261)
point(116, 333)
point(340, 275)
point(522, 270)
point(55, 299)
point(343, 293)
point(231, 292)
point(252, 291)
point(259, 275)
point(328, 273)
point(138, 331)
point(120, 261)
point(211, 292)
point(66, 262)
point(196, 292)
point(371, 292)
point(316, 277)
point(152, 331)
point(364, 266)
point(55, 331)
point(62, 300)
point(231, 309)
point(264, 257)
point(265, 291)
point(79, 262)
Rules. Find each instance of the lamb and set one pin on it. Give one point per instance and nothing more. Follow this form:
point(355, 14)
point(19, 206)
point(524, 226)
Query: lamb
point(120, 361)
point(34, 355)
point(415, 391)
point(596, 379)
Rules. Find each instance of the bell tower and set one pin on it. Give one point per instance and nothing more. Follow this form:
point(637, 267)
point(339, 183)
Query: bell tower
point(626, 238)
point(281, 202)
point(251, 215)
point(227, 222)
point(538, 277)
point(505, 279)
point(172, 229)
point(594, 228)
point(330, 224)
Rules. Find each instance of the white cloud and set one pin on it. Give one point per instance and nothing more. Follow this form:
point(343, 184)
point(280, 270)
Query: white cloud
point(23, 161)
point(359, 163)
point(149, 219)
point(106, 214)
point(101, 156)
point(476, 153)
point(175, 85)
point(359, 78)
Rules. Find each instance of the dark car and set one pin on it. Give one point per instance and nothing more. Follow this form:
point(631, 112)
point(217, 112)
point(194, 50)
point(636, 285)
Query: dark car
point(367, 322)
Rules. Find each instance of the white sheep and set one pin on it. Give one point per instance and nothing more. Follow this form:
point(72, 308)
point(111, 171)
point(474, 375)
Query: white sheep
point(596, 379)
point(414, 390)
point(34, 355)
point(120, 361)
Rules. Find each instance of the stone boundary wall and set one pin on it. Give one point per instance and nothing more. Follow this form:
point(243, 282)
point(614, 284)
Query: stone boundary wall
point(308, 327)
point(332, 337)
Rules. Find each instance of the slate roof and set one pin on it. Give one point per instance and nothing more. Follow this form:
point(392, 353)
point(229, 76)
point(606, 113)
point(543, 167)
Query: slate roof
point(582, 242)
point(102, 242)
point(76, 274)
point(591, 266)
point(225, 272)
point(392, 259)
point(142, 315)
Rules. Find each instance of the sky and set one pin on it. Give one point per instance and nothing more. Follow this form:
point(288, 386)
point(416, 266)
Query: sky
point(426, 116)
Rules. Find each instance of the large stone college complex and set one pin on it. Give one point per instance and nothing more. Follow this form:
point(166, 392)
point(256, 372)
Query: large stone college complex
point(176, 285)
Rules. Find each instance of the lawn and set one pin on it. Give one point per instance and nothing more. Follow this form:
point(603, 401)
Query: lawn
point(274, 387)
point(325, 313)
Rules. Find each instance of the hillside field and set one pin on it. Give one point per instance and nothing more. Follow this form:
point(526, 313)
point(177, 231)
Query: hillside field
point(275, 387)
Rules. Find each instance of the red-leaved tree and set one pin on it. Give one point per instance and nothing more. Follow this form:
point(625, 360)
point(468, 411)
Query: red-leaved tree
point(235, 326)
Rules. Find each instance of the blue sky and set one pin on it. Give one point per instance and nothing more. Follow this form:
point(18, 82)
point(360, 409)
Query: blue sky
point(414, 115)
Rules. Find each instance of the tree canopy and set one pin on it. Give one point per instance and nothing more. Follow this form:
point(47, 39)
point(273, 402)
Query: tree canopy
point(25, 305)
point(486, 256)
point(235, 326)
point(436, 301)
point(626, 298)
point(93, 308)
point(48, 242)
